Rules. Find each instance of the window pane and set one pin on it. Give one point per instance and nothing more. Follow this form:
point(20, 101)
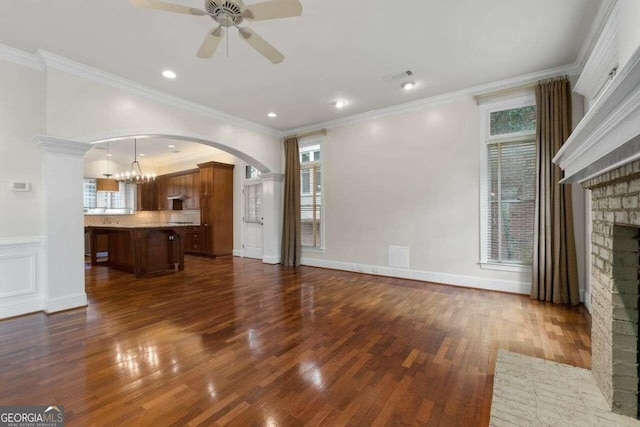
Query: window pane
point(492, 202)
point(510, 202)
point(518, 171)
point(517, 232)
point(306, 181)
point(514, 120)
point(251, 172)
point(311, 196)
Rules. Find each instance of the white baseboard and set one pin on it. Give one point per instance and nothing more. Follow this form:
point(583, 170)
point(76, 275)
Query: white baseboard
point(66, 303)
point(270, 259)
point(510, 286)
point(238, 252)
point(21, 308)
point(586, 299)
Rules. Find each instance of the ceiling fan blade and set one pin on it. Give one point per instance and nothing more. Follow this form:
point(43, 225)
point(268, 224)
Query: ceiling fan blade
point(273, 9)
point(210, 43)
point(168, 7)
point(261, 45)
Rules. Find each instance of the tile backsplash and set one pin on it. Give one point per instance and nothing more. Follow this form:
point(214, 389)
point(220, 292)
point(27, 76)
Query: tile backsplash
point(145, 217)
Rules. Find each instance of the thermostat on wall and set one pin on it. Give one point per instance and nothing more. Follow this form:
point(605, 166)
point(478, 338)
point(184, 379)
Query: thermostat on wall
point(20, 186)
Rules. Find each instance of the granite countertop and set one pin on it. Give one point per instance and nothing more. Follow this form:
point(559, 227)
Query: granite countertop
point(153, 225)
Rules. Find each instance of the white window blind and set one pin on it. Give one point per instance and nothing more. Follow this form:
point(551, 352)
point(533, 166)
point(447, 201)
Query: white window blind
point(311, 195)
point(510, 171)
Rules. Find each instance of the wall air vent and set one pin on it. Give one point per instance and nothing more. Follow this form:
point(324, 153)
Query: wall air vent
point(394, 79)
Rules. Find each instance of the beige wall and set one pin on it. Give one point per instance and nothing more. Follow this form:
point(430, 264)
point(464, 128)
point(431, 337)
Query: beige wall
point(412, 180)
point(22, 115)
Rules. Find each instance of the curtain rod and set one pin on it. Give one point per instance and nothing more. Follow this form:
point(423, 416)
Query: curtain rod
point(310, 133)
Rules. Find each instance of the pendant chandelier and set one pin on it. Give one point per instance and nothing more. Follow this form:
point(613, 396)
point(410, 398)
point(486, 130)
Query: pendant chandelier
point(106, 183)
point(134, 175)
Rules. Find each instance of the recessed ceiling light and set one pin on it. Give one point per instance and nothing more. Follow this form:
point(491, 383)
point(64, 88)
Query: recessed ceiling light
point(109, 155)
point(169, 74)
point(142, 154)
point(171, 146)
point(272, 115)
point(408, 85)
point(340, 103)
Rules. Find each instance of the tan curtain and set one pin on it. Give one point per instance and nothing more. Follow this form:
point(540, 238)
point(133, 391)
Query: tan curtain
point(291, 228)
point(555, 276)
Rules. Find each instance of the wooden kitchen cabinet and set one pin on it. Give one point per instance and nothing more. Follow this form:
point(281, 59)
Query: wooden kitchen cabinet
point(194, 240)
point(216, 207)
point(146, 198)
point(162, 192)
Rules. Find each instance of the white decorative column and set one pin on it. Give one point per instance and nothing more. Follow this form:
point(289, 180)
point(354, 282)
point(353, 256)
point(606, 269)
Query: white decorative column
point(63, 172)
point(272, 188)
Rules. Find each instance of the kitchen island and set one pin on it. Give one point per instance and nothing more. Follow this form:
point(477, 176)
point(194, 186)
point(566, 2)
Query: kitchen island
point(140, 249)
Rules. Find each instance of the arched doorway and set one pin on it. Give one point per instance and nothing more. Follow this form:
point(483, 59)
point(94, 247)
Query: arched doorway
point(64, 220)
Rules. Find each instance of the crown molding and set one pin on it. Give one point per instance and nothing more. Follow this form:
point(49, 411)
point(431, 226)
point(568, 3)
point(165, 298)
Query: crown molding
point(607, 7)
point(446, 98)
point(81, 70)
point(598, 142)
point(20, 57)
point(602, 59)
point(61, 146)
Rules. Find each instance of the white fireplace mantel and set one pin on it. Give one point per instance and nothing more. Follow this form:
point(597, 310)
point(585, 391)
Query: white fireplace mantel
point(609, 134)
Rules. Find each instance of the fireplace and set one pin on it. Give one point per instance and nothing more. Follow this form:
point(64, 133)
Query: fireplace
point(614, 285)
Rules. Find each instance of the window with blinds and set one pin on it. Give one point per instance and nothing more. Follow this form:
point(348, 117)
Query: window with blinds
point(253, 203)
point(510, 171)
point(106, 202)
point(311, 195)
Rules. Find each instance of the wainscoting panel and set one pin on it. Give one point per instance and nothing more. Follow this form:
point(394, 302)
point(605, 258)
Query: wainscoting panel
point(17, 275)
point(21, 276)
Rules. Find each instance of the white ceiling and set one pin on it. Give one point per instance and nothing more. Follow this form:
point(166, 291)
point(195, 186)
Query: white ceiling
point(151, 151)
point(338, 49)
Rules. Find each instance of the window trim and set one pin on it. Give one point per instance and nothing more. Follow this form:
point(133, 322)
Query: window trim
point(306, 142)
point(485, 140)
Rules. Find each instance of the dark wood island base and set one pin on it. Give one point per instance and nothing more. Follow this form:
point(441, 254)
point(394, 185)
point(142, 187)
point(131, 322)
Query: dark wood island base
point(141, 250)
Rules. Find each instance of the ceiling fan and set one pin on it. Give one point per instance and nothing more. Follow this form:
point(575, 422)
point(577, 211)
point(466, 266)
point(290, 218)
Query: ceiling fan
point(231, 13)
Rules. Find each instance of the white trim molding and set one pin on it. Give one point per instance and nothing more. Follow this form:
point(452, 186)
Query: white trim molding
point(607, 7)
point(23, 272)
point(608, 135)
point(68, 302)
point(602, 60)
point(510, 286)
point(20, 57)
point(446, 98)
point(61, 146)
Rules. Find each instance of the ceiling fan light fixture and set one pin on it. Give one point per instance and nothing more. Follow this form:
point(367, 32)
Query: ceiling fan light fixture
point(169, 74)
point(408, 85)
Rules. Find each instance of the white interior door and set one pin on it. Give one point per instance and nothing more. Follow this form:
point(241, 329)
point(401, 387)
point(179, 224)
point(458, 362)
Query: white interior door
point(252, 245)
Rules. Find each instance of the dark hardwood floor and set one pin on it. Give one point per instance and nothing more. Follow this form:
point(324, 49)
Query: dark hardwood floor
point(235, 342)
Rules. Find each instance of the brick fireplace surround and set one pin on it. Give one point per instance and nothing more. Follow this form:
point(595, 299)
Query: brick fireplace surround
point(614, 285)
